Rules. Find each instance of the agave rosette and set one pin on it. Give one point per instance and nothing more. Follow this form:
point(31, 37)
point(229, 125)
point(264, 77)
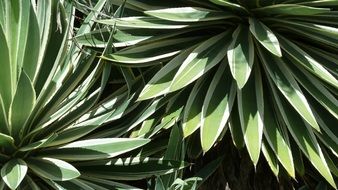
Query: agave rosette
point(52, 104)
point(265, 70)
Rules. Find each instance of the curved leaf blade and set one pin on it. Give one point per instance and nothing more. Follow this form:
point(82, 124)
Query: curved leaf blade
point(95, 148)
point(53, 169)
point(241, 55)
point(265, 36)
point(200, 60)
point(188, 14)
point(251, 113)
point(22, 104)
point(13, 172)
point(217, 107)
point(287, 85)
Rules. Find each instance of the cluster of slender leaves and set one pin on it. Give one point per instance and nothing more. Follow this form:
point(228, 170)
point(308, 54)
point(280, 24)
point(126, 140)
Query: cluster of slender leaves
point(265, 70)
point(54, 108)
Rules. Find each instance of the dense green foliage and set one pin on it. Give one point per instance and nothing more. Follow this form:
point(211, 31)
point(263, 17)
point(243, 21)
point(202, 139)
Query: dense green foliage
point(126, 94)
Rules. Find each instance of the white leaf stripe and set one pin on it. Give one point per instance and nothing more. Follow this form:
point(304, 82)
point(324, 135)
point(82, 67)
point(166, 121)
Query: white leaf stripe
point(13, 172)
point(217, 107)
point(53, 169)
point(265, 36)
point(289, 87)
point(241, 55)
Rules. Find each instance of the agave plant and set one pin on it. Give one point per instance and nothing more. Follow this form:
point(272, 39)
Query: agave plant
point(52, 104)
point(265, 70)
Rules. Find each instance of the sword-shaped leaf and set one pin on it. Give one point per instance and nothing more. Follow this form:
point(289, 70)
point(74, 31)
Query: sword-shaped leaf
point(288, 86)
point(193, 109)
point(241, 55)
point(189, 14)
point(217, 106)
point(290, 9)
point(265, 36)
point(22, 105)
point(202, 59)
point(95, 148)
point(53, 169)
point(251, 113)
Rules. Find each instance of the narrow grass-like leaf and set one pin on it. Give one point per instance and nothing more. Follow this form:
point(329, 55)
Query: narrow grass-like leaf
point(229, 4)
point(151, 52)
point(130, 169)
point(193, 109)
point(270, 158)
point(241, 55)
point(235, 128)
point(143, 22)
point(200, 60)
point(161, 81)
point(13, 172)
point(304, 59)
point(276, 139)
point(304, 137)
point(316, 89)
point(95, 148)
point(6, 84)
point(290, 9)
point(6, 141)
point(217, 106)
point(53, 169)
point(265, 36)
point(287, 85)
point(251, 113)
point(188, 14)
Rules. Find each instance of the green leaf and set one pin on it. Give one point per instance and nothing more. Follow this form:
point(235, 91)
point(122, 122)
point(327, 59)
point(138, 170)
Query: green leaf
point(38, 144)
point(159, 184)
point(143, 22)
point(217, 107)
point(188, 14)
point(316, 89)
point(320, 3)
point(22, 105)
point(193, 109)
point(130, 168)
point(53, 169)
point(29, 42)
point(318, 33)
point(251, 113)
point(227, 3)
point(235, 128)
point(95, 148)
point(6, 141)
point(13, 172)
point(241, 55)
point(173, 152)
point(287, 85)
point(304, 137)
point(148, 53)
point(6, 83)
point(202, 59)
point(270, 158)
point(160, 83)
point(277, 140)
point(204, 173)
point(265, 36)
point(290, 9)
point(304, 59)
point(3, 118)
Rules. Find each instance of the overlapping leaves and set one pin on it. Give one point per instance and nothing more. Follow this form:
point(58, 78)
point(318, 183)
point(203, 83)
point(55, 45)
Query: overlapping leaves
point(53, 106)
point(265, 69)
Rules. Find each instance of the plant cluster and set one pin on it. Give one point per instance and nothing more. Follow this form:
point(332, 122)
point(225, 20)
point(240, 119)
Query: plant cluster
point(112, 94)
